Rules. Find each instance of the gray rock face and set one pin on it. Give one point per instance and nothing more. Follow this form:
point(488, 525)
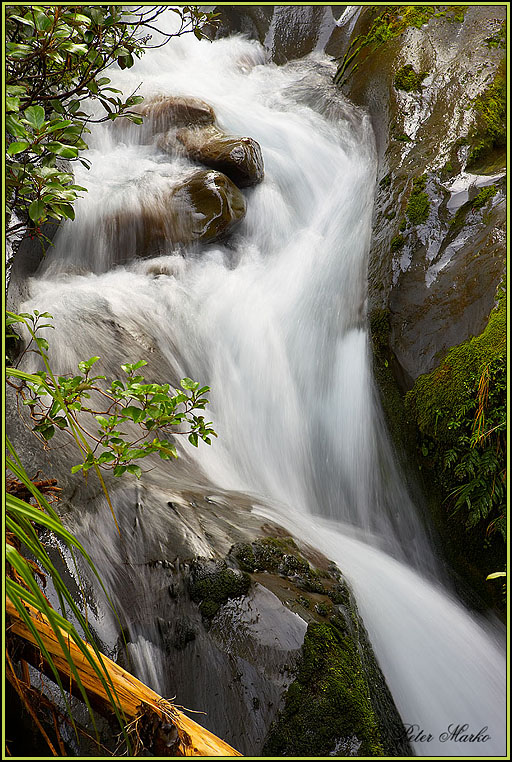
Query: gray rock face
point(436, 277)
point(286, 32)
point(216, 607)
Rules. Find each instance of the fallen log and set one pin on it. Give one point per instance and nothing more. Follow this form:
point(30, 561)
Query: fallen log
point(172, 732)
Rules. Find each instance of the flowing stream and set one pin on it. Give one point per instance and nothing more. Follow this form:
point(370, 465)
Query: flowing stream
point(275, 322)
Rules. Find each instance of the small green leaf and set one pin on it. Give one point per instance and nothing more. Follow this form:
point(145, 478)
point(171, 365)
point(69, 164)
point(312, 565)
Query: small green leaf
point(17, 147)
point(67, 152)
point(36, 212)
point(85, 365)
point(59, 125)
point(43, 22)
point(134, 413)
point(27, 21)
point(14, 127)
point(12, 104)
point(193, 439)
point(35, 116)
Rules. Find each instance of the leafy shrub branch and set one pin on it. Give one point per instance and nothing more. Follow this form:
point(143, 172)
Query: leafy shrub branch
point(113, 426)
point(130, 418)
point(56, 56)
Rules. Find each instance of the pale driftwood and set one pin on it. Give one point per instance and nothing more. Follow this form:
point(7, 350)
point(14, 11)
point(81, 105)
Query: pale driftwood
point(139, 703)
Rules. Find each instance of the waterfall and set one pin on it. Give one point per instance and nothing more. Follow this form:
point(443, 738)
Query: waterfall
point(274, 321)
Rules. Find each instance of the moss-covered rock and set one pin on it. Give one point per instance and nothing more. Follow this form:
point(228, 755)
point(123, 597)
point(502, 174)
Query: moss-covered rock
point(338, 702)
point(418, 206)
point(330, 709)
point(435, 396)
point(272, 554)
point(460, 413)
point(489, 140)
point(327, 710)
point(408, 79)
point(212, 584)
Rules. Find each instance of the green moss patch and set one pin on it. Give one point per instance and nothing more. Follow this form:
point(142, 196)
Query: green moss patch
point(397, 242)
point(408, 79)
point(436, 394)
point(282, 557)
point(499, 38)
point(327, 707)
point(490, 140)
point(460, 411)
point(484, 196)
point(418, 207)
point(212, 584)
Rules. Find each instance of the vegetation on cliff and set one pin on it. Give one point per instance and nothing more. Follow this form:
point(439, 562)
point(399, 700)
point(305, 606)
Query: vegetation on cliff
point(391, 22)
point(460, 411)
point(408, 79)
point(489, 140)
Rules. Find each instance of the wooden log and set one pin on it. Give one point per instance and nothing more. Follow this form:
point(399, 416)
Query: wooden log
point(174, 733)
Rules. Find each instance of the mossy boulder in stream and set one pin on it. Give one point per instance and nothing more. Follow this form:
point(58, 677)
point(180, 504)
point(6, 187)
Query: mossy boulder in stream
point(212, 584)
point(238, 612)
point(338, 703)
point(327, 709)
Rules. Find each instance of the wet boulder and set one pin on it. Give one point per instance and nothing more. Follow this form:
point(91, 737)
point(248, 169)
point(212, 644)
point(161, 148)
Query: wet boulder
point(268, 641)
point(237, 157)
point(164, 112)
point(203, 207)
point(210, 206)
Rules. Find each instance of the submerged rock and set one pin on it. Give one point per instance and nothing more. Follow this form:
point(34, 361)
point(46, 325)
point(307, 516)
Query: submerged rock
point(168, 111)
point(238, 158)
point(203, 207)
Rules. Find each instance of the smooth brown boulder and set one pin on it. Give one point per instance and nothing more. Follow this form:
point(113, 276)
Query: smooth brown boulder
point(238, 158)
point(176, 111)
point(213, 196)
point(204, 207)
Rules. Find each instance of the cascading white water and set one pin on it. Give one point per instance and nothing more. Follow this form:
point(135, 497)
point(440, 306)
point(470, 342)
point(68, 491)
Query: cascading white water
point(274, 321)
